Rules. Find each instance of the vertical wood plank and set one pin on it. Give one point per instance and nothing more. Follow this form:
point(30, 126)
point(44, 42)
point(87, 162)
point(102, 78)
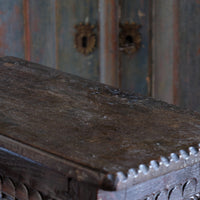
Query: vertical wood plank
point(26, 30)
point(68, 14)
point(109, 42)
point(134, 68)
point(11, 28)
point(189, 54)
point(176, 52)
point(42, 32)
point(163, 49)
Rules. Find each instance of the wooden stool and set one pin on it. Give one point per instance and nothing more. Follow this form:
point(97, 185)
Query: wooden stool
point(64, 137)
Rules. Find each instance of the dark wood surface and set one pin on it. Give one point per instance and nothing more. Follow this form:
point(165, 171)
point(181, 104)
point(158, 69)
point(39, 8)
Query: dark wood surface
point(85, 129)
point(22, 178)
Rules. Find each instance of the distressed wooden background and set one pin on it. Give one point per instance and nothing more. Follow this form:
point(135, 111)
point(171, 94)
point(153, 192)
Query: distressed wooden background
point(135, 68)
point(167, 66)
point(43, 31)
point(176, 52)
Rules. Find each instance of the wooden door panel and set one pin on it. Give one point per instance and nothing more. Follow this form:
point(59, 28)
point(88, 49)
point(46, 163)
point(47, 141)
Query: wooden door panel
point(11, 28)
point(176, 52)
point(188, 67)
point(68, 14)
point(135, 74)
point(42, 32)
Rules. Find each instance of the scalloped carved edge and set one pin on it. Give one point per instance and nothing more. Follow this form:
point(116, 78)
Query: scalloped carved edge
point(157, 168)
point(10, 190)
point(180, 191)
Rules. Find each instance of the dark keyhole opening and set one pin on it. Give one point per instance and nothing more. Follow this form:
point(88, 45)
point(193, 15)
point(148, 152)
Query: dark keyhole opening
point(84, 42)
point(129, 39)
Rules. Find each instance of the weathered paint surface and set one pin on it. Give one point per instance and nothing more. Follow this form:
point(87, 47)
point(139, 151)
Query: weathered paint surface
point(134, 68)
point(176, 52)
point(68, 14)
point(26, 8)
point(189, 54)
point(11, 28)
point(42, 32)
point(163, 49)
point(109, 42)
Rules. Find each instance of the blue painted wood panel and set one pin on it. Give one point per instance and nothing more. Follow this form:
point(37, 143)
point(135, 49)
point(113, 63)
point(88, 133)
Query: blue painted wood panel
point(135, 67)
point(176, 52)
point(68, 14)
point(42, 32)
point(11, 28)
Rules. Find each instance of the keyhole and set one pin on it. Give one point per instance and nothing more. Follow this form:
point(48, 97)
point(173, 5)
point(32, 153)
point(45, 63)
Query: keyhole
point(129, 39)
point(84, 42)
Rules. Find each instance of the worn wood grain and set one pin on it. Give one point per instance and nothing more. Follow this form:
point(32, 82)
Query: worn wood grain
point(49, 113)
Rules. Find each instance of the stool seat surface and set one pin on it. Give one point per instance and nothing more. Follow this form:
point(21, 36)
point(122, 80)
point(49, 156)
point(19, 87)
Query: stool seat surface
point(92, 125)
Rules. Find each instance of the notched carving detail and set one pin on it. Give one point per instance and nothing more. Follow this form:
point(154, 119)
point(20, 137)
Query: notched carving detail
point(14, 190)
point(10, 191)
point(35, 195)
point(22, 192)
point(162, 196)
point(175, 193)
point(130, 38)
point(85, 38)
point(189, 188)
point(157, 168)
point(8, 188)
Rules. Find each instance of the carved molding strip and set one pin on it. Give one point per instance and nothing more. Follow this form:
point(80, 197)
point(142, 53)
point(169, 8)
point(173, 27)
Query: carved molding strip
point(187, 190)
point(157, 168)
point(11, 191)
